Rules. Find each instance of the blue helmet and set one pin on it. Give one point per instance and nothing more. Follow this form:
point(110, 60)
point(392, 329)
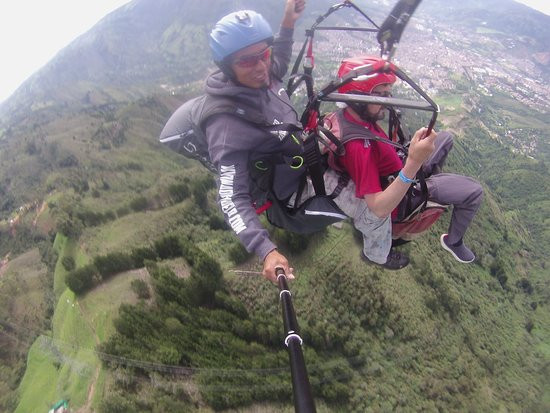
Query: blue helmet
point(236, 31)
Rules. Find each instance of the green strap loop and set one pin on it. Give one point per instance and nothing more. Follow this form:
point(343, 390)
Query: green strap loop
point(300, 162)
point(296, 141)
point(260, 166)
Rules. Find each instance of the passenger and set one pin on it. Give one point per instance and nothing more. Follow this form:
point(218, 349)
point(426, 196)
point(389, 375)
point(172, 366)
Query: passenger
point(367, 161)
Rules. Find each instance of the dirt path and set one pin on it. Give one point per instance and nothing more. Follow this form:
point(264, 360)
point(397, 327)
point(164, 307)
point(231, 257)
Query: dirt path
point(42, 208)
point(87, 408)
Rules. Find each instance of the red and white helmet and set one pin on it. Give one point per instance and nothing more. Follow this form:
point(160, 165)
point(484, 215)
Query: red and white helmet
point(385, 74)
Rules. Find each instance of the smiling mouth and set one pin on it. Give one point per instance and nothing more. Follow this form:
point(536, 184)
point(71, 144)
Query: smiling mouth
point(262, 79)
point(261, 76)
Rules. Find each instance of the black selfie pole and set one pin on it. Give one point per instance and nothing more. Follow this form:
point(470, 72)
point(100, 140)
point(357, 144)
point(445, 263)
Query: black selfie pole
point(391, 30)
point(303, 397)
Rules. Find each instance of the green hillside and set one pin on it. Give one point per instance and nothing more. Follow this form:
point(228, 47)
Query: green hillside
point(169, 312)
point(434, 336)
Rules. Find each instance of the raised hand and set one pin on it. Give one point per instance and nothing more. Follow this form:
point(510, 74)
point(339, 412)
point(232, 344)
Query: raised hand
point(421, 146)
point(293, 10)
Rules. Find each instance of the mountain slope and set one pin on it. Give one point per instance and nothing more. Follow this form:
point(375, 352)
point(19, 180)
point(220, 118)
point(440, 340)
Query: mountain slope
point(81, 135)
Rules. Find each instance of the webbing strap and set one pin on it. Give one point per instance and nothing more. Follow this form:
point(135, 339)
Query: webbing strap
point(295, 79)
point(314, 164)
point(343, 181)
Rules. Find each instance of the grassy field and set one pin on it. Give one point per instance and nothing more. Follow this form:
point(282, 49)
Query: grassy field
point(63, 365)
point(60, 366)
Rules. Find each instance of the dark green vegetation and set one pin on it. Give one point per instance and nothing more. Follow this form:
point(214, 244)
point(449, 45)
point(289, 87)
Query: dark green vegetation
point(195, 333)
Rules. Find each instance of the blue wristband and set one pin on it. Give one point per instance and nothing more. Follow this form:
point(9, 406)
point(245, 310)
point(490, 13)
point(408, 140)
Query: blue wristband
point(405, 179)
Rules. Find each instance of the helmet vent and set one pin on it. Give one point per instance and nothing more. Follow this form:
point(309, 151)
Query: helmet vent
point(243, 17)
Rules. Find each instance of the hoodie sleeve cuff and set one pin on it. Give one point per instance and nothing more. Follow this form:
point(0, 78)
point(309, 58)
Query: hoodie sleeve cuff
point(265, 248)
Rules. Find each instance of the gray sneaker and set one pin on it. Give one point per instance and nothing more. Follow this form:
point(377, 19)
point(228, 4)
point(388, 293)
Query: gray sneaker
point(461, 252)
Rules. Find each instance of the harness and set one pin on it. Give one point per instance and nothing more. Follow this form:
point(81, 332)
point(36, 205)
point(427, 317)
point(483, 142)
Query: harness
point(317, 135)
point(184, 131)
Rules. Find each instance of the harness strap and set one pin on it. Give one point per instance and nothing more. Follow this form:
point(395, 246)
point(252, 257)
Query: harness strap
point(314, 164)
point(294, 81)
point(424, 188)
point(343, 181)
point(300, 191)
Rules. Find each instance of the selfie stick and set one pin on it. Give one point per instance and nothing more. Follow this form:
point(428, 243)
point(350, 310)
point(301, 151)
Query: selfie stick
point(303, 398)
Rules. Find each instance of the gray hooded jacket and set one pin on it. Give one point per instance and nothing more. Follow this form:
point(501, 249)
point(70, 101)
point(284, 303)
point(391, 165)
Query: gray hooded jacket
point(236, 148)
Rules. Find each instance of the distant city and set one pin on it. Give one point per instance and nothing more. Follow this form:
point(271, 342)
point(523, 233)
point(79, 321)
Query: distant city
point(435, 55)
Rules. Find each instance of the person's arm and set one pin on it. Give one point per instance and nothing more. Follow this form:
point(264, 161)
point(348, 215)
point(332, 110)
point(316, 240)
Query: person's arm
point(230, 155)
point(383, 203)
point(293, 11)
point(282, 44)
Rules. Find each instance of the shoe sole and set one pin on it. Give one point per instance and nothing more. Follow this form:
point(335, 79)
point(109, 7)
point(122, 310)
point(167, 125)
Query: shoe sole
point(451, 251)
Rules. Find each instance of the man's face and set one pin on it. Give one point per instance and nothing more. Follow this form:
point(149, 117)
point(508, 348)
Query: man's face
point(251, 65)
point(377, 112)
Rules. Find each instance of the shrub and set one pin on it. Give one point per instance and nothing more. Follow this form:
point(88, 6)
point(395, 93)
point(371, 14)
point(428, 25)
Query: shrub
point(189, 251)
point(68, 161)
point(206, 279)
point(71, 227)
point(134, 166)
point(167, 354)
point(178, 192)
point(122, 211)
point(238, 253)
point(116, 403)
point(233, 305)
point(68, 263)
point(82, 279)
point(170, 288)
point(525, 285)
point(292, 241)
point(139, 255)
point(168, 247)
point(141, 288)
point(47, 254)
point(200, 196)
point(200, 189)
point(139, 204)
point(216, 222)
point(113, 263)
point(90, 218)
point(31, 148)
point(109, 216)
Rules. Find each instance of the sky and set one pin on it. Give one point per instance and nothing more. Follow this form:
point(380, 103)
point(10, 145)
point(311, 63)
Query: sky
point(33, 31)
